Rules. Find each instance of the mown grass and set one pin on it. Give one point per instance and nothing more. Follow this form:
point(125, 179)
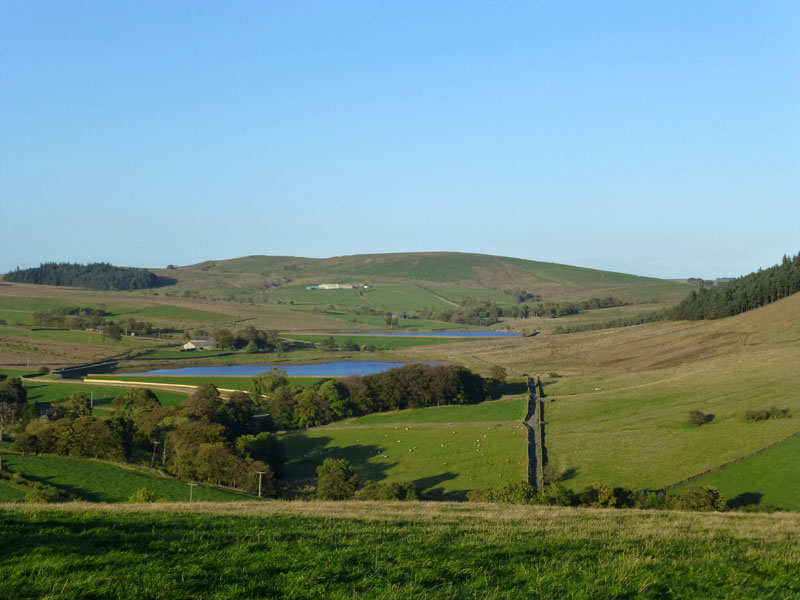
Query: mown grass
point(96, 481)
point(392, 551)
point(442, 460)
point(228, 383)
point(39, 391)
point(771, 478)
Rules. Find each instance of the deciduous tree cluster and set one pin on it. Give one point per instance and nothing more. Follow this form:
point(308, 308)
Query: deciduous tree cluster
point(410, 386)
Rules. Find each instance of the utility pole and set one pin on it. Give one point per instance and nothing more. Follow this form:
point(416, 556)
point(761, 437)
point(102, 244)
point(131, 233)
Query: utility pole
point(91, 400)
point(260, 473)
point(153, 459)
point(191, 489)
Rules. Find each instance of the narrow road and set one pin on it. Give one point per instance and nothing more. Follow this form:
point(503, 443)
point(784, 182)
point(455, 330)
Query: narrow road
point(532, 423)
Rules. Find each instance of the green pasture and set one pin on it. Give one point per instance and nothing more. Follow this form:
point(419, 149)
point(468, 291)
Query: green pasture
point(39, 391)
point(31, 304)
point(376, 551)
point(17, 317)
point(381, 342)
point(74, 336)
point(633, 430)
point(176, 315)
point(558, 273)
point(96, 481)
point(16, 372)
point(382, 297)
point(771, 478)
point(492, 411)
point(442, 460)
point(459, 294)
point(228, 383)
point(410, 324)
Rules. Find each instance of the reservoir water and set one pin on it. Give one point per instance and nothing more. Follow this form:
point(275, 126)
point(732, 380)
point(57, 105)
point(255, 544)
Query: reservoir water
point(332, 369)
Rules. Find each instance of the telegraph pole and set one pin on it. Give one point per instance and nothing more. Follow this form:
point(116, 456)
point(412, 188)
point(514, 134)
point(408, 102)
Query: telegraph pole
point(191, 489)
point(260, 473)
point(153, 459)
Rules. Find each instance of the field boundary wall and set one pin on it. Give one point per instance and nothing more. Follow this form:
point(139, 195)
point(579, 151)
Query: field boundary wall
point(730, 462)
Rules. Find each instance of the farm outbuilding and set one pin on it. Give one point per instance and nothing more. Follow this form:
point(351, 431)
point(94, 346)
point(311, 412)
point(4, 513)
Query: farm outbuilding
point(200, 343)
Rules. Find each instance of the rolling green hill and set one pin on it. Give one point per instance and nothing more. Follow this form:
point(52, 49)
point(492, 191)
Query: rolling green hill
point(436, 271)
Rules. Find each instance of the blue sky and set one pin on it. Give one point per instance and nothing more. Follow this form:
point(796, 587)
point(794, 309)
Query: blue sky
point(652, 138)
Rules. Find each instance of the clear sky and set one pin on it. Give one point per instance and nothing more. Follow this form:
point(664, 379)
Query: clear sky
point(656, 138)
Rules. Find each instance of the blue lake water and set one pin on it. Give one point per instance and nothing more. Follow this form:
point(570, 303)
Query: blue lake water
point(476, 334)
point(333, 369)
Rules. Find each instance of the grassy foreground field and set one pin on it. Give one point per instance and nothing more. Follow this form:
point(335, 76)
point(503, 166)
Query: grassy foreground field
point(392, 551)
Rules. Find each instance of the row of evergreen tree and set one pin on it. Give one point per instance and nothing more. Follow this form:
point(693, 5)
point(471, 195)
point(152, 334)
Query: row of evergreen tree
point(96, 276)
point(743, 293)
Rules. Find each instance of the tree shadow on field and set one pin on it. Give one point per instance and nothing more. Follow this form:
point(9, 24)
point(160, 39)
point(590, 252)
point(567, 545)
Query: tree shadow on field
point(746, 499)
point(429, 491)
point(78, 492)
point(510, 388)
point(303, 459)
point(568, 474)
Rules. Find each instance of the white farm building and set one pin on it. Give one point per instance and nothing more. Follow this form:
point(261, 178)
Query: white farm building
point(200, 343)
point(334, 286)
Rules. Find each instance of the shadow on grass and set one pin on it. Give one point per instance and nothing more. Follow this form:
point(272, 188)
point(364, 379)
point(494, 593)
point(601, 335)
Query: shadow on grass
point(310, 453)
point(568, 474)
point(78, 492)
point(746, 499)
point(429, 491)
point(510, 388)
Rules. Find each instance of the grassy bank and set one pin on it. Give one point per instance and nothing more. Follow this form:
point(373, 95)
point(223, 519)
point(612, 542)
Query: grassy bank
point(96, 481)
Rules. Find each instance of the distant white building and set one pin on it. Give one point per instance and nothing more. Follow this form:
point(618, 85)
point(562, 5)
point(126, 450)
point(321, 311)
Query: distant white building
point(334, 286)
point(200, 343)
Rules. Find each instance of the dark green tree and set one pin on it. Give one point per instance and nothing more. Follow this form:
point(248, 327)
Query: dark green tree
point(336, 480)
